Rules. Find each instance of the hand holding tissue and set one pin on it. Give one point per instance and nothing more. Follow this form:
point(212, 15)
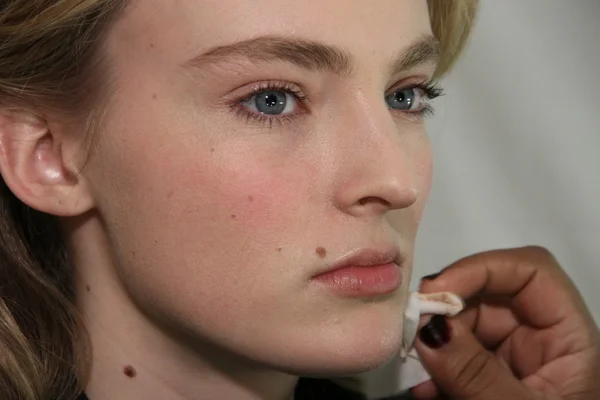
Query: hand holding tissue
point(412, 372)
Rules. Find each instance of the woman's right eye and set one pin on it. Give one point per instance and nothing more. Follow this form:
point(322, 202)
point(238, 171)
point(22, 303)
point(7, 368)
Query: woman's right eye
point(271, 102)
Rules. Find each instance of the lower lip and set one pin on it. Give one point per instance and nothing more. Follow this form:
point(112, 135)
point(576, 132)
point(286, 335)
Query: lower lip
point(362, 281)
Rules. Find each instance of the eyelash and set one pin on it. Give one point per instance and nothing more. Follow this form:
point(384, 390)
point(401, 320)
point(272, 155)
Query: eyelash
point(431, 90)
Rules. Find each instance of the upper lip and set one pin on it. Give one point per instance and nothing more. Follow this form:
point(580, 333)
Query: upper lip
point(367, 257)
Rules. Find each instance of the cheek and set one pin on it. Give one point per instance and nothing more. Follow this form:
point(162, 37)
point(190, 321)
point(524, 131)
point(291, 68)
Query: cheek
point(419, 152)
point(201, 207)
point(250, 196)
point(190, 221)
point(424, 167)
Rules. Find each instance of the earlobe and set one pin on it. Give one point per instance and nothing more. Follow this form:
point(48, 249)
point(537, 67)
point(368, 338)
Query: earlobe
point(32, 164)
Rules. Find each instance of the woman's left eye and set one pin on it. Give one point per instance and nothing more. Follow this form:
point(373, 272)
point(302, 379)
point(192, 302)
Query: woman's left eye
point(271, 102)
point(409, 99)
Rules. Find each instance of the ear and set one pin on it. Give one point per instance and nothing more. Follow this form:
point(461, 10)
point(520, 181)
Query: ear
point(37, 168)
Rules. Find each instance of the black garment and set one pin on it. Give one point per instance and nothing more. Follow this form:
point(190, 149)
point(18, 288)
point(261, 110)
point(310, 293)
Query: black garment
point(323, 389)
point(314, 389)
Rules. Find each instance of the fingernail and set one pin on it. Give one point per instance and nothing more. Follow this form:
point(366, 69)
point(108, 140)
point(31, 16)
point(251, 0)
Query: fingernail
point(431, 277)
point(436, 333)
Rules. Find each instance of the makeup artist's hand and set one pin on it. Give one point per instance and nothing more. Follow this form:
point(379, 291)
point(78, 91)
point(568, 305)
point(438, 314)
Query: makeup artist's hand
point(525, 335)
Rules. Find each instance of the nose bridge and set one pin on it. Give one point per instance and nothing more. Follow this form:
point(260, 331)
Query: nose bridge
point(376, 173)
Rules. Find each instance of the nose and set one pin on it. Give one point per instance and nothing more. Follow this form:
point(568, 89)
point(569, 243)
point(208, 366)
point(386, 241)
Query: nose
point(377, 171)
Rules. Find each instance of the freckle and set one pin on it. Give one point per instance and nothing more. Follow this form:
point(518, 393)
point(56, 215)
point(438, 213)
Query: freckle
point(321, 252)
point(154, 96)
point(87, 287)
point(170, 194)
point(130, 371)
point(151, 45)
point(155, 241)
point(212, 150)
point(233, 216)
point(250, 198)
point(279, 249)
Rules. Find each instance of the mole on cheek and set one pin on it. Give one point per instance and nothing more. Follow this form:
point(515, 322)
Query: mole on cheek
point(129, 371)
point(321, 252)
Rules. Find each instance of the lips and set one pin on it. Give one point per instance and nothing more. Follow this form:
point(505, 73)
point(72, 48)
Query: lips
point(364, 273)
point(367, 257)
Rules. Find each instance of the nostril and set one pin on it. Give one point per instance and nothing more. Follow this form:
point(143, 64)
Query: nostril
point(373, 199)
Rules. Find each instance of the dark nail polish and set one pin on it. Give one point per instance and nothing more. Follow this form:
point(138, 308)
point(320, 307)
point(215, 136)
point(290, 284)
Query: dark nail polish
point(431, 277)
point(436, 333)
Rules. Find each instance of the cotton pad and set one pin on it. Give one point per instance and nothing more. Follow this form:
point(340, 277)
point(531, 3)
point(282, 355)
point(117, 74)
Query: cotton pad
point(411, 370)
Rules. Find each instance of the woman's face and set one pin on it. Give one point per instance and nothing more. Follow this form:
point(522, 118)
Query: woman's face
point(249, 146)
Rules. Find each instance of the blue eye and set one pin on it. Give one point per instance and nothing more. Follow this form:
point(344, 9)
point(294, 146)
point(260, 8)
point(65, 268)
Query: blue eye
point(409, 99)
point(271, 102)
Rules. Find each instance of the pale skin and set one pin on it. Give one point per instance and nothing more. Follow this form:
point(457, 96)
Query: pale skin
point(195, 230)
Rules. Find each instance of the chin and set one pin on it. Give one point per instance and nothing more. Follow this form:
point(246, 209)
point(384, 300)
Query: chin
point(345, 363)
point(360, 358)
point(347, 349)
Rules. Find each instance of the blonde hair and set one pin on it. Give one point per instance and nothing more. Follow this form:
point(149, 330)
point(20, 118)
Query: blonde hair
point(51, 59)
point(451, 22)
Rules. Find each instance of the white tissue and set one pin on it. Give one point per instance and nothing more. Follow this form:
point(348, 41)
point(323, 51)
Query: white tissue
point(411, 371)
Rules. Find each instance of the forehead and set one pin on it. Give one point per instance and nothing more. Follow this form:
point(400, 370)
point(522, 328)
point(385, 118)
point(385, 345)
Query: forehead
point(183, 28)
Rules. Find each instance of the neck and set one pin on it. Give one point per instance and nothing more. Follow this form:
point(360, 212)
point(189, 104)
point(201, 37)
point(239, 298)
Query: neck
point(133, 357)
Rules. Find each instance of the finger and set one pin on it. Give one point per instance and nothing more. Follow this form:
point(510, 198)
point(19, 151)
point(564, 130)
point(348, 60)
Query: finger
point(490, 321)
point(539, 290)
point(494, 323)
point(425, 391)
point(461, 367)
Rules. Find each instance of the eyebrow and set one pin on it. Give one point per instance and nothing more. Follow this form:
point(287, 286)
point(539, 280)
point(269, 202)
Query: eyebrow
point(426, 50)
point(313, 55)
